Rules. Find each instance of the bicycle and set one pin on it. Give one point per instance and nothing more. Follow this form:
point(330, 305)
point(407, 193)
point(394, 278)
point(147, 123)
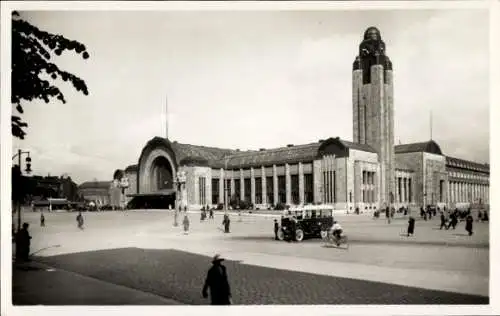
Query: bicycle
point(330, 239)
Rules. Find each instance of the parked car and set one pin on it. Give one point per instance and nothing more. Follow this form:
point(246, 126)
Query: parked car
point(311, 220)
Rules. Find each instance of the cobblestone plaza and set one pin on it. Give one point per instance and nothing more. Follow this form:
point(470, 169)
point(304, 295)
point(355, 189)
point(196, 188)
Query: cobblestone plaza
point(145, 253)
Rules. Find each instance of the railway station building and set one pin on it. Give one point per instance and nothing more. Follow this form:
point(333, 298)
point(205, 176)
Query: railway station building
point(366, 173)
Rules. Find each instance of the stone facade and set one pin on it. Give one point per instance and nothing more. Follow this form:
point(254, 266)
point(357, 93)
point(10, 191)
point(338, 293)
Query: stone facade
point(364, 175)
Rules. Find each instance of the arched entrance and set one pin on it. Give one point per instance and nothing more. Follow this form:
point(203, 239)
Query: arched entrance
point(161, 175)
point(156, 174)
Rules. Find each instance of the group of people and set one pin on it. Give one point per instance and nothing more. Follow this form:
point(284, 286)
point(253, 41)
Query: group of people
point(204, 213)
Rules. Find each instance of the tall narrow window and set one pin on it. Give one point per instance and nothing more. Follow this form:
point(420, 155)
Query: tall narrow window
point(270, 190)
point(248, 190)
point(334, 187)
point(308, 188)
point(237, 189)
point(441, 190)
point(281, 189)
point(215, 191)
point(295, 188)
point(201, 190)
point(258, 190)
point(410, 193)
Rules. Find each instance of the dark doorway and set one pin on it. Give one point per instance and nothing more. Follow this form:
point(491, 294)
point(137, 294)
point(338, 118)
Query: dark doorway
point(162, 175)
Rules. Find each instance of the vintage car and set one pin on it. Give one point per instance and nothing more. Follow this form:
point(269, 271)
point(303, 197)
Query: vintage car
point(309, 220)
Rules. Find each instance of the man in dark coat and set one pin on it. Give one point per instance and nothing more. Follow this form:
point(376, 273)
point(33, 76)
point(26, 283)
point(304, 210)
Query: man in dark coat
point(226, 222)
point(468, 224)
point(42, 220)
point(293, 228)
point(411, 226)
point(211, 213)
point(453, 220)
point(23, 241)
point(79, 220)
point(218, 283)
point(443, 221)
point(276, 229)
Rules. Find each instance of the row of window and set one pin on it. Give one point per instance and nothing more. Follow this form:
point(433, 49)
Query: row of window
point(294, 188)
point(404, 190)
point(468, 176)
point(368, 177)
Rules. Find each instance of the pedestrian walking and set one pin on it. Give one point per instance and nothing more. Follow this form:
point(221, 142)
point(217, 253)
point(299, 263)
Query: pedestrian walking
point(23, 241)
point(453, 220)
point(79, 220)
point(293, 228)
point(185, 223)
point(443, 221)
point(479, 215)
point(411, 227)
point(468, 224)
point(218, 283)
point(485, 217)
point(42, 220)
point(226, 223)
point(276, 229)
point(176, 218)
point(211, 214)
point(388, 215)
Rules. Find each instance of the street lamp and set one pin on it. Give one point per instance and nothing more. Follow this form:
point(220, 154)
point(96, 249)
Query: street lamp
point(124, 184)
point(28, 170)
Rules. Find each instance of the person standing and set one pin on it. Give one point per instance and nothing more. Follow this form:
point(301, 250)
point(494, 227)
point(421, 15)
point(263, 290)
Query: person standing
point(23, 241)
point(185, 222)
point(443, 221)
point(411, 226)
point(79, 220)
point(468, 224)
point(42, 220)
point(227, 224)
point(211, 213)
point(293, 228)
point(453, 220)
point(276, 229)
point(218, 283)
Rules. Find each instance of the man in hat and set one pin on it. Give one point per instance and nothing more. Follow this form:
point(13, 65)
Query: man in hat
point(276, 229)
point(217, 281)
point(23, 241)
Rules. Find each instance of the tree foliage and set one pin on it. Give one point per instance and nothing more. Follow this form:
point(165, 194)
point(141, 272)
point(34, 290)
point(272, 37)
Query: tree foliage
point(32, 53)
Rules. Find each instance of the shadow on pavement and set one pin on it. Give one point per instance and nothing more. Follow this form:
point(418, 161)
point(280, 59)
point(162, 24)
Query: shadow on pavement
point(179, 276)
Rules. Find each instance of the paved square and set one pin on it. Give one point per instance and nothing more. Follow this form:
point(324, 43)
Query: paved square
point(143, 251)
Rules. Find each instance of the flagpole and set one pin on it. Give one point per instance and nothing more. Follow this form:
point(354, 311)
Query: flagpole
point(166, 116)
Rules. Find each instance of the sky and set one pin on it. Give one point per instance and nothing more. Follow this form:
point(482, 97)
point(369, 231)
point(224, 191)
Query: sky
point(252, 79)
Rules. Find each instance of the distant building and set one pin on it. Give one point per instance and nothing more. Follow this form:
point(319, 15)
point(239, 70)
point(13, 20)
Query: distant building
point(367, 173)
point(96, 191)
point(37, 188)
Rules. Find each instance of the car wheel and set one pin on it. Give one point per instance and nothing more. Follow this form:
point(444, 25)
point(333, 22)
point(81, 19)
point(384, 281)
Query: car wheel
point(281, 235)
point(299, 235)
point(324, 234)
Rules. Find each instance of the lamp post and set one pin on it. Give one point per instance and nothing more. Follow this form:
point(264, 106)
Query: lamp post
point(180, 180)
point(124, 185)
point(28, 170)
